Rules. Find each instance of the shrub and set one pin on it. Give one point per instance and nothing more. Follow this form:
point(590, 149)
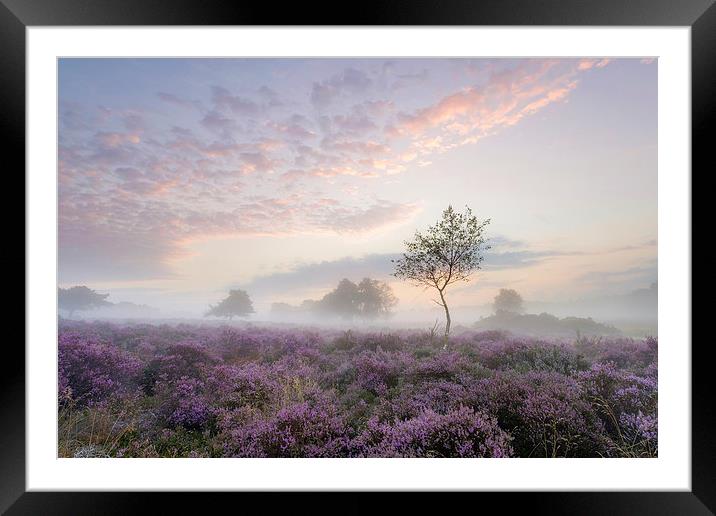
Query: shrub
point(188, 391)
point(91, 370)
point(544, 412)
point(458, 433)
point(299, 430)
point(621, 398)
point(183, 403)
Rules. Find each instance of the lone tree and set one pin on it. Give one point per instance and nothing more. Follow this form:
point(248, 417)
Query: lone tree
point(238, 303)
point(508, 301)
point(80, 299)
point(448, 252)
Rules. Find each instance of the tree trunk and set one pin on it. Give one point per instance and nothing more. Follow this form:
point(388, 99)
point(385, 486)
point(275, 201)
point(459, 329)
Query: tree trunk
point(447, 319)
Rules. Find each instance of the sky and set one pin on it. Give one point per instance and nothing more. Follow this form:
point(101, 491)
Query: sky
point(180, 179)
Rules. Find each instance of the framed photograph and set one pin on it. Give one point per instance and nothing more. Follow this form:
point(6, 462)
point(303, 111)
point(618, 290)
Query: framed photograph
point(419, 249)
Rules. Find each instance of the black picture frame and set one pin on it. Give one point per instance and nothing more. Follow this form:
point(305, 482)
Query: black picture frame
point(16, 15)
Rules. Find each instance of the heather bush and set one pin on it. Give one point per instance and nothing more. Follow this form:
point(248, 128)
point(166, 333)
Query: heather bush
point(440, 396)
point(377, 371)
point(91, 370)
point(544, 413)
point(635, 355)
point(183, 403)
point(639, 435)
point(444, 365)
point(232, 387)
point(458, 433)
point(207, 391)
point(299, 430)
point(525, 355)
point(626, 404)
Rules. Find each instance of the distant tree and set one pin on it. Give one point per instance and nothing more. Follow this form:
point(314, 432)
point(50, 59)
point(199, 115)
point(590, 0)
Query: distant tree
point(368, 299)
point(341, 301)
point(448, 252)
point(375, 299)
point(80, 299)
point(508, 301)
point(238, 303)
point(282, 308)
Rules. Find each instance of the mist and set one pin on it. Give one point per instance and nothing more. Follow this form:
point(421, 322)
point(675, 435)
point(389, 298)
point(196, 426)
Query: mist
point(633, 313)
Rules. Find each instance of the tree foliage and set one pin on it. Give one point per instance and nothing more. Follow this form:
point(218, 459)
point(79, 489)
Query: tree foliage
point(375, 299)
point(342, 300)
point(80, 298)
point(446, 253)
point(369, 299)
point(238, 303)
point(508, 300)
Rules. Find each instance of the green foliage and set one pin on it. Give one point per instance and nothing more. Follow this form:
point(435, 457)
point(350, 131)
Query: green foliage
point(446, 253)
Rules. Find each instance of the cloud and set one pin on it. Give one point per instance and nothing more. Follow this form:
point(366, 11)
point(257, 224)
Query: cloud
point(219, 124)
point(134, 122)
point(636, 276)
point(177, 101)
point(292, 129)
point(240, 106)
point(125, 236)
point(349, 82)
point(354, 123)
point(505, 253)
point(257, 162)
point(477, 111)
point(377, 216)
point(635, 247)
point(516, 259)
point(324, 274)
point(587, 64)
point(134, 190)
point(359, 147)
point(422, 75)
point(269, 96)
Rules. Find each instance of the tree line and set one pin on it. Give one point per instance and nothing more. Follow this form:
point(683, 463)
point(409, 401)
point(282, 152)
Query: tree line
point(368, 299)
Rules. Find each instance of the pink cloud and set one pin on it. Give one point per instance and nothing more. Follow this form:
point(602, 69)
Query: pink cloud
point(478, 111)
point(244, 164)
point(113, 140)
point(587, 64)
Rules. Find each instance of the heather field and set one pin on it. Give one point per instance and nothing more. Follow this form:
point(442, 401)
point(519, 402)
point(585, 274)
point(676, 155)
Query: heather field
point(142, 390)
